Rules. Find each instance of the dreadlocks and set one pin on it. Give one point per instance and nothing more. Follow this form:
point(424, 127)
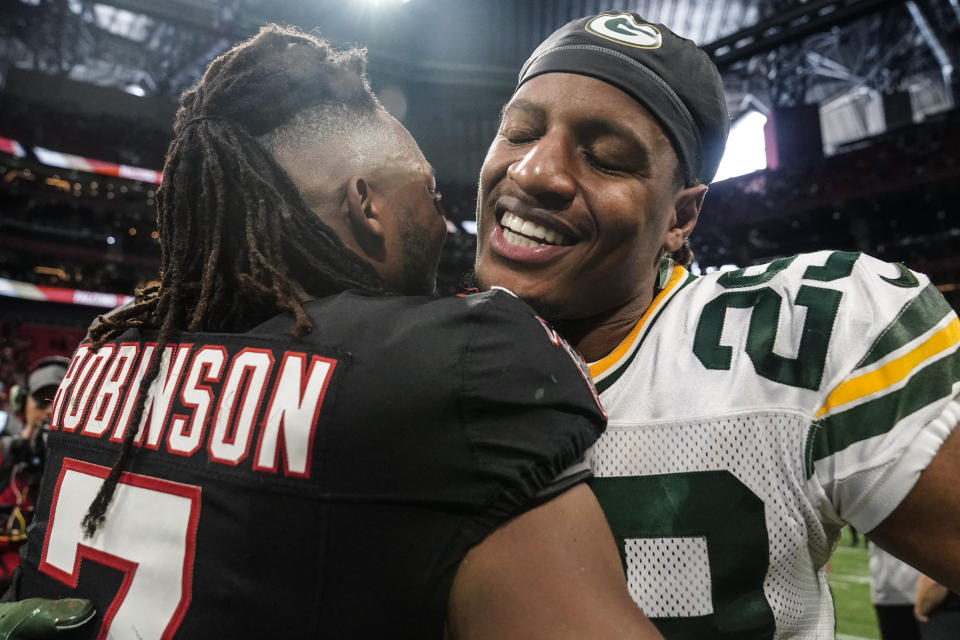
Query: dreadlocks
point(238, 243)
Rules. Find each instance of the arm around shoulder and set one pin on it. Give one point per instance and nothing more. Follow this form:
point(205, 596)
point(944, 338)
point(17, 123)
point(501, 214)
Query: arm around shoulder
point(552, 572)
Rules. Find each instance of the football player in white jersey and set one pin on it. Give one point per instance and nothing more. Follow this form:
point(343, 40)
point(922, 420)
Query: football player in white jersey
point(752, 413)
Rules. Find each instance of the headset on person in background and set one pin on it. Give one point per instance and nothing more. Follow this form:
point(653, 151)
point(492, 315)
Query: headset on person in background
point(20, 393)
point(22, 453)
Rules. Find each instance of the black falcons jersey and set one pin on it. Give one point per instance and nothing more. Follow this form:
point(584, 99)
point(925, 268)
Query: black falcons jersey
point(318, 488)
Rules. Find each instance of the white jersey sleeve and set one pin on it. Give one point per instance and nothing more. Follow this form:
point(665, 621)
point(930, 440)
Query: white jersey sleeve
point(889, 393)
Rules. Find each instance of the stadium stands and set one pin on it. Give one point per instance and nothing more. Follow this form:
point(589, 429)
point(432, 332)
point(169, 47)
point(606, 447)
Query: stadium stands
point(890, 195)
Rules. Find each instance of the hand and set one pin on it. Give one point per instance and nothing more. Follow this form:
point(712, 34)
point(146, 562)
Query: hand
point(30, 431)
point(39, 618)
point(929, 596)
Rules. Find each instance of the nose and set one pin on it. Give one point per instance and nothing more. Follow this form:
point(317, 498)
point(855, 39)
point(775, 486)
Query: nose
point(545, 171)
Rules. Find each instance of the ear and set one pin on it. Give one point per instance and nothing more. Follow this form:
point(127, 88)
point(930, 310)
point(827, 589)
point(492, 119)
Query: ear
point(364, 219)
point(686, 210)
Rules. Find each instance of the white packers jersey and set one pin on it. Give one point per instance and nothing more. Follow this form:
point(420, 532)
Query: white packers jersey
point(752, 413)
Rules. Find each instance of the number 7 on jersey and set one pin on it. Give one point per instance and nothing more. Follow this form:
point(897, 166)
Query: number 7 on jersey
point(149, 534)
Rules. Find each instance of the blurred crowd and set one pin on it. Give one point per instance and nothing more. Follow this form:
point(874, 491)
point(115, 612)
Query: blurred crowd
point(89, 232)
point(113, 139)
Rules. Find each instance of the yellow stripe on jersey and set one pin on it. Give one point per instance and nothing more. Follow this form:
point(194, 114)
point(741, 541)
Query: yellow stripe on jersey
point(605, 364)
point(894, 371)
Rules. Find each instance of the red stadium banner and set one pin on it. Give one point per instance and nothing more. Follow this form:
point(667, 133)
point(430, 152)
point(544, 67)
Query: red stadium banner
point(79, 163)
point(12, 147)
point(27, 291)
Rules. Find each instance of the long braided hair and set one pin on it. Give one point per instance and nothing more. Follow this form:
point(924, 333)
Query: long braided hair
point(238, 243)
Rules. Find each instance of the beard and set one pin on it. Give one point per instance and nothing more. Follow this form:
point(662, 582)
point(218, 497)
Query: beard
point(550, 312)
point(418, 273)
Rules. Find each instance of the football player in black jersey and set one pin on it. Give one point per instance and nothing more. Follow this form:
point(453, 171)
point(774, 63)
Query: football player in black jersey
point(272, 443)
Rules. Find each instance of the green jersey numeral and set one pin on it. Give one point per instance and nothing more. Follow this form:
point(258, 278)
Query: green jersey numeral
point(714, 505)
point(822, 303)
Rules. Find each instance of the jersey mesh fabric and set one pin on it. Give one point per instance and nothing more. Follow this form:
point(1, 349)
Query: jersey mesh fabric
point(668, 576)
point(758, 410)
point(755, 448)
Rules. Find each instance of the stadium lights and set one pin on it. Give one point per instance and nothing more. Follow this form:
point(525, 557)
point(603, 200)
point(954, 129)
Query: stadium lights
point(722, 268)
point(58, 183)
point(746, 147)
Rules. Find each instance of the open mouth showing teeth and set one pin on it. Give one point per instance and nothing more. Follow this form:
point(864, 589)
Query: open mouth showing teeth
point(524, 233)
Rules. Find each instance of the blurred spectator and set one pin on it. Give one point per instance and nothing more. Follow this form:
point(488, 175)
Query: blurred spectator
point(855, 537)
point(21, 457)
point(938, 611)
point(13, 350)
point(893, 584)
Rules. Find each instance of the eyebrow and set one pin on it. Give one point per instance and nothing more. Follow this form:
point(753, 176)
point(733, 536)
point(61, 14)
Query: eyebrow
point(591, 127)
point(523, 105)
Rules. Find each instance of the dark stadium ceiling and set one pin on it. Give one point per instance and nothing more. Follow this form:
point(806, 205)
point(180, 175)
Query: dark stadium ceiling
point(772, 53)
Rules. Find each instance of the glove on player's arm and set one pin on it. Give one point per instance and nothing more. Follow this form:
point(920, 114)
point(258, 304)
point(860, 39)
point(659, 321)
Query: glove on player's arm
point(39, 618)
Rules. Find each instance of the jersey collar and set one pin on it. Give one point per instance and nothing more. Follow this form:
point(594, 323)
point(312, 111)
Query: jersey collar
point(670, 279)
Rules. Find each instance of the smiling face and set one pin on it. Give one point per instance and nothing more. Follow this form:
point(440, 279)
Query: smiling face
point(577, 198)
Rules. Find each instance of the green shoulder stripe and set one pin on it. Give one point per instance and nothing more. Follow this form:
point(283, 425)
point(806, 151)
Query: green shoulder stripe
point(915, 319)
point(873, 418)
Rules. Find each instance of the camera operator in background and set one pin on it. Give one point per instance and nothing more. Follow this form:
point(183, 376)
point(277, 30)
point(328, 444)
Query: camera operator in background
point(21, 457)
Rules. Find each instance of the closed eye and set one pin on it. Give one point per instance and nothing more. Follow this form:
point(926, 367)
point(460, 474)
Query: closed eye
point(519, 137)
point(601, 166)
point(437, 202)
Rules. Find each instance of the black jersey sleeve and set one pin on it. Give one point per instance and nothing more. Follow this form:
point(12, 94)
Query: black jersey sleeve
point(528, 406)
point(443, 419)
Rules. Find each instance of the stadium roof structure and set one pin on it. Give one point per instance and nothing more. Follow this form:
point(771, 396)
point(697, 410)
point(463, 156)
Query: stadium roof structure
point(445, 67)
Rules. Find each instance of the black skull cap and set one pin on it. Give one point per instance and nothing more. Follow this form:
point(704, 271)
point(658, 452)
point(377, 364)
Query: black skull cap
point(673, 78)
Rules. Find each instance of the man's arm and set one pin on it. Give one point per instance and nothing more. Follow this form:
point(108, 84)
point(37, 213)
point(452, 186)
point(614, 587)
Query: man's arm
point(551, 573)
point(924, 529)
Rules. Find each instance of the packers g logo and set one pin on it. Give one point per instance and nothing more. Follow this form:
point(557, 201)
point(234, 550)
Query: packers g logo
point(623, 28)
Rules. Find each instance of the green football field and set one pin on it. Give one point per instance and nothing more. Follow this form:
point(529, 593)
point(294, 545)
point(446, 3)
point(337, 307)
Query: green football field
point(850, 582)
